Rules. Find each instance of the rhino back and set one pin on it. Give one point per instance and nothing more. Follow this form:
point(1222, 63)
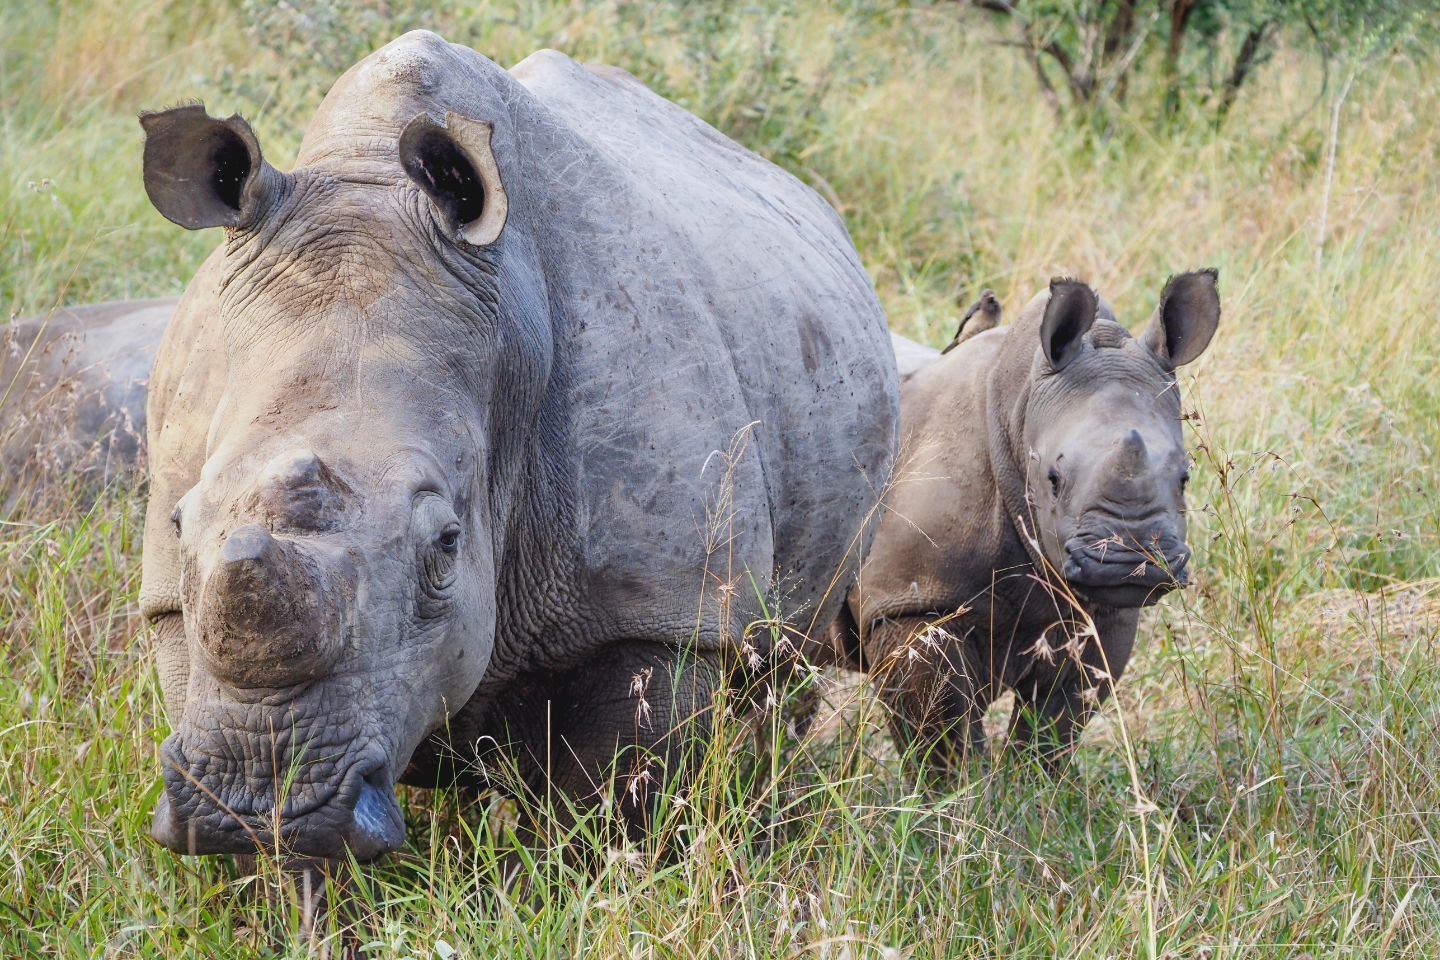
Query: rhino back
point(73, 384)
point(911, 357)
point(732, 396)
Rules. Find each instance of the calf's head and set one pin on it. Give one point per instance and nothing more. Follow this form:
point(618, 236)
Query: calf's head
point(338, 552)
point(1107, 465)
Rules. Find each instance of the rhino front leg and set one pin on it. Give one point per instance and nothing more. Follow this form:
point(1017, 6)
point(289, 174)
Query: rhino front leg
point(936, 695)
point(1053, 703)
point(616, 731)
point(172, 657)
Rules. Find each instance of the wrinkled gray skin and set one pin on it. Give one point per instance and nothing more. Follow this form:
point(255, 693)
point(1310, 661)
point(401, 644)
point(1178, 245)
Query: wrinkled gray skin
point(466, 439)
point(72, 391)
point(1040, 487)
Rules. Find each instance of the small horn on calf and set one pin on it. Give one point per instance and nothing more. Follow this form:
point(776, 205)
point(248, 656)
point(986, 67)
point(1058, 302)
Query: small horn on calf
point(267, 617)
point(1133, 458)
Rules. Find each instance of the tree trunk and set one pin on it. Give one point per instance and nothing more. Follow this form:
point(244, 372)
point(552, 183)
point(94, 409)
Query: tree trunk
point(1245, 60)
point(1180, 11)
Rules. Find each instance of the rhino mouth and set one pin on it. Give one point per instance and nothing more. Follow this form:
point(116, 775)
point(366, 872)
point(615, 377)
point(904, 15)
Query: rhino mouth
point(205, 810)
point(1111, 572)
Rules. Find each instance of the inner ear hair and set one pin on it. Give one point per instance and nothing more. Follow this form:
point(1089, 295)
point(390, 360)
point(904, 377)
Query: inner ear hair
point(1069, 314)
point(444, 172)
point(201, 171)
point(455, 167)
point(1186, 318)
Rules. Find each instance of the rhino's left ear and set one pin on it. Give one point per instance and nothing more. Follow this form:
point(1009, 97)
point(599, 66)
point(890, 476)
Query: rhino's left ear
point(1188, 315)
point(201, 171)
point(455, 166)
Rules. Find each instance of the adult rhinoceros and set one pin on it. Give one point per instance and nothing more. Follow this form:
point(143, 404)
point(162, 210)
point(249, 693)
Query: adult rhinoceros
point(72, 393)
point(474, 430)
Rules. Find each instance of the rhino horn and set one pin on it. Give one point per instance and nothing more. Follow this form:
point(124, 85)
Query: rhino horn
point(267, 617)
point(298, 489)
point(1132, 458)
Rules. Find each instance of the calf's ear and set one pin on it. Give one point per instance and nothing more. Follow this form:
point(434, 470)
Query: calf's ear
point(201, 171)
point(455, 167)
point(1186, 319)
point(1069, 313)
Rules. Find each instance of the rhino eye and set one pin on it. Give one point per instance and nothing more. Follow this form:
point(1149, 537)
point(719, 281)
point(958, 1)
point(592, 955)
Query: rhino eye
point(1184, 480)
point(1054, 477)
point(175, 519)
point(449, 539)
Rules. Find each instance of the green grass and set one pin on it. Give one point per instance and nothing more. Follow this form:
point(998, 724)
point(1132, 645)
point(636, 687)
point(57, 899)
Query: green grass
point(1266, 783)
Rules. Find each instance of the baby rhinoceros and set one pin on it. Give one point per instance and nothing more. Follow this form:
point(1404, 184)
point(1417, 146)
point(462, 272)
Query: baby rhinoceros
point(1042, 505)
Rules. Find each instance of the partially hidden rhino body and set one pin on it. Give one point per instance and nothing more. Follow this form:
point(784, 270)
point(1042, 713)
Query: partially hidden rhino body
point(72, 392)
point(471, 437)
point(911, 357)
point(1038, 505)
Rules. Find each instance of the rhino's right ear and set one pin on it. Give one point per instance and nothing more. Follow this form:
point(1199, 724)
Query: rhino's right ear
point(1068, 315)
point(201, 171)
point(455, 167)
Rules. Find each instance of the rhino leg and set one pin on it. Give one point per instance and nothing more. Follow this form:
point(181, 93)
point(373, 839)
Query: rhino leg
point(616, 731)
point(935, 689)
point(172, 662)
point(1053, 703)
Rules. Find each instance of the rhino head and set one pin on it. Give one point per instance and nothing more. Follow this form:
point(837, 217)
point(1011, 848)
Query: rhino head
point(1107, 466)
point(338, 554)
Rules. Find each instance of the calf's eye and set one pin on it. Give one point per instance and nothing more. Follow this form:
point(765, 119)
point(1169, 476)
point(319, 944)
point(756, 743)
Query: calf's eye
point(1054, 477)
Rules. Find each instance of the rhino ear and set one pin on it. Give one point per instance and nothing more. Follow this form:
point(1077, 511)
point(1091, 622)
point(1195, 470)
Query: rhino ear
point(201, 171)
point(1186, 319)
point(456, 168)
point(1068, 315)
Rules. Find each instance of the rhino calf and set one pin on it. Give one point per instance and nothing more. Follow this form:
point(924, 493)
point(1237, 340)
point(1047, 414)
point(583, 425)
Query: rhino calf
point(1042, 506)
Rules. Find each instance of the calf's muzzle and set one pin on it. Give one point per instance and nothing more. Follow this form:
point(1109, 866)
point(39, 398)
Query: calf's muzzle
point(1116, 569)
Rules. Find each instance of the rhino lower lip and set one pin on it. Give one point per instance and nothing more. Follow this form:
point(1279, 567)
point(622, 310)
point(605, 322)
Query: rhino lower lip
point(359, 817)
point(1125, 574)
point(377, 823)
point(1125, 595)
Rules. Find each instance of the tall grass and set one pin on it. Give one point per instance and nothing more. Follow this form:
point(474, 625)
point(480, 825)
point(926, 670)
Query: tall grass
point(1265, 783)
